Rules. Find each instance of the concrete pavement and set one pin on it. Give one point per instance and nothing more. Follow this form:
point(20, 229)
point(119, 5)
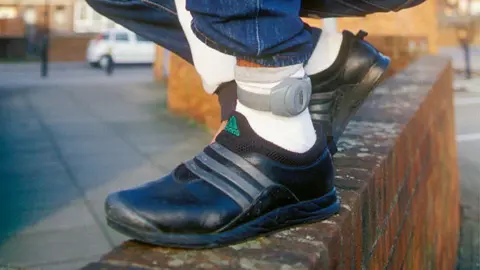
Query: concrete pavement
point(458, 57)
point(468, 138)
point(64, 145)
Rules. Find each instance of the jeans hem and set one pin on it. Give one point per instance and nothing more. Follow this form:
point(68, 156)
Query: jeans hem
point(267, 61)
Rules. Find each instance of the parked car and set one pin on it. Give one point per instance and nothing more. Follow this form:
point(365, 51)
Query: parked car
point(123, 46)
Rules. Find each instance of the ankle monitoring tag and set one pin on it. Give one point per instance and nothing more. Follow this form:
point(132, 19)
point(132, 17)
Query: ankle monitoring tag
point(289, 98)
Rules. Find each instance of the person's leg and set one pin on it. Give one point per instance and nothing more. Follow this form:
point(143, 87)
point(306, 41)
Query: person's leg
point(353, 8)
point(169, 27)
point(269, 33)
point(336, 93)
point(271, 43)
point(163, 22)
point(159, 21)
point(264, 172)
point(267, 170)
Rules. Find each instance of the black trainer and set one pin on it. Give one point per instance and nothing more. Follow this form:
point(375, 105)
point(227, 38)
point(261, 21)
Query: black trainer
point(338, 91)
point(237, 188)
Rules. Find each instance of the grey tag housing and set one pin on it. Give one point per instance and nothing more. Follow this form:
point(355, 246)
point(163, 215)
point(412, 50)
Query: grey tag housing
point(290, 98)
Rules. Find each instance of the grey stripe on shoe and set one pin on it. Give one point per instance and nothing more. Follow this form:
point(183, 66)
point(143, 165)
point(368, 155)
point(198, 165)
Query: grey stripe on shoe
point(242, 200)
point(320, 106)
point(323, 95)
point(229, 175)
point(243, 164)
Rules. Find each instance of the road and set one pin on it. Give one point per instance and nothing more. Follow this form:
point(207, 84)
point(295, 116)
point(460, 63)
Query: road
point(468, 137)
point(64, 74)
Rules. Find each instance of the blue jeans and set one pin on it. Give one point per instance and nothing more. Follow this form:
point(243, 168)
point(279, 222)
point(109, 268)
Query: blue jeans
point(267, 32)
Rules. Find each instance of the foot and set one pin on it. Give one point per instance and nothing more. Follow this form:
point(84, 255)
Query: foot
point(338, 91)
point(239, 187)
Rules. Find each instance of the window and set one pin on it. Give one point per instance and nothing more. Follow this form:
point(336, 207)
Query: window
point(60, 16)
point(141, 39)
point(8, 12)
point(85, 19)
point(121, 37)
point(82, 12)
point(105, 36)
point(30, 15)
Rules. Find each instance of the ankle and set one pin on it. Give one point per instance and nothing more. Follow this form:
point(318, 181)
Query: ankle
point(294, 133)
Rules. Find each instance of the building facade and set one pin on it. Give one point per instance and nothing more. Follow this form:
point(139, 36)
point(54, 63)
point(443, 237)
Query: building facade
point(60, 16)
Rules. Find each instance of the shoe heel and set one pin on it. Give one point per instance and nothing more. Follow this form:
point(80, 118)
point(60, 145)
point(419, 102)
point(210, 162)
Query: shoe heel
point(351, 102)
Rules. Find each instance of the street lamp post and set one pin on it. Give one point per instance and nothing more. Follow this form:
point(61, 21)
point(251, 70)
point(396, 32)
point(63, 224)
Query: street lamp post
point(45, 40)
point(464, 35)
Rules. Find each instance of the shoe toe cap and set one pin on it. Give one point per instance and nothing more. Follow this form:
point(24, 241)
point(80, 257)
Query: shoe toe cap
point(120, 212)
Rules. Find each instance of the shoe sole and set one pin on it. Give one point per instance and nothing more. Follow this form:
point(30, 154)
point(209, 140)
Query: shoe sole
point(349, 102)
point(281, 218)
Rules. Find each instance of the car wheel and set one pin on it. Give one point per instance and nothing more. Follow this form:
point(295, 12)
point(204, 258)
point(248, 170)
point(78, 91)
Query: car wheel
point(104, 60)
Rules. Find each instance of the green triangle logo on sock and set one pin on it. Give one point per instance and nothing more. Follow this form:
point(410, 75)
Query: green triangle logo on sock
point(232, 126)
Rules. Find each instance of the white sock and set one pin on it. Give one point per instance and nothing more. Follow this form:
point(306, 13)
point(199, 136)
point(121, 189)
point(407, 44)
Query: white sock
point(213, 66)
point(325, 53)
point(214, 73)
point(295, 133)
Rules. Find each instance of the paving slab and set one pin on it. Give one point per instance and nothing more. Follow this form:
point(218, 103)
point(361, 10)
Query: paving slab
point(70, 265)
point(80, 147)
point(31, 249)
point(65, 145)
point(69, 131)
point(93, 171)
point(73, 215)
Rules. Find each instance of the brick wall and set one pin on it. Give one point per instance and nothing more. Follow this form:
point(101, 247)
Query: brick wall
point(12, 28)
point(409, 211)
point(186, 95)
point(69, 48)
